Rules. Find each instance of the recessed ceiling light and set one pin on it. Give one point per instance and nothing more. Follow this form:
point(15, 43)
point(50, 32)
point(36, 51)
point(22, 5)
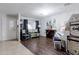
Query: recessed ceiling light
point(45, 12)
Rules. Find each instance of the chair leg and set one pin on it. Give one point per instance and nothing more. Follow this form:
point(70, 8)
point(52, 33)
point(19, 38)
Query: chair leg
point(60, 45)
point(54, 46)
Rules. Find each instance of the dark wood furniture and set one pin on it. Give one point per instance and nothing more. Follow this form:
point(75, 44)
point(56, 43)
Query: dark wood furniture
point(50, 33)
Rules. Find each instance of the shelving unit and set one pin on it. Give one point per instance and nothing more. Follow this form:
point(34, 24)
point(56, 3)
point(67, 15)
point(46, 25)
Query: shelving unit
point(73, 38)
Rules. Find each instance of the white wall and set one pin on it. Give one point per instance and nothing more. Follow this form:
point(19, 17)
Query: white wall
point(61, 18)
point(4, 27)
point(0, 27)
point(29, 18)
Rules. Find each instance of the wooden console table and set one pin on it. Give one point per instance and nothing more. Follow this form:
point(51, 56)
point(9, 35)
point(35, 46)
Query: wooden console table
point(50, 33)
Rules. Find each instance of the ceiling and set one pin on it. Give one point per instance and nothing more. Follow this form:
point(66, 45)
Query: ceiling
point(35, 10)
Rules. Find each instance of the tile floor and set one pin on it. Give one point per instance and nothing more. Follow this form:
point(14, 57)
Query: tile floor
point(13, 48)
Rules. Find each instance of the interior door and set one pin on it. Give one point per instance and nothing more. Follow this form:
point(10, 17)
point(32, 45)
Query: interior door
point(12, 27)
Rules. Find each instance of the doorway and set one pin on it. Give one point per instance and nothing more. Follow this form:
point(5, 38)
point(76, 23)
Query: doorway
point(12, 27)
